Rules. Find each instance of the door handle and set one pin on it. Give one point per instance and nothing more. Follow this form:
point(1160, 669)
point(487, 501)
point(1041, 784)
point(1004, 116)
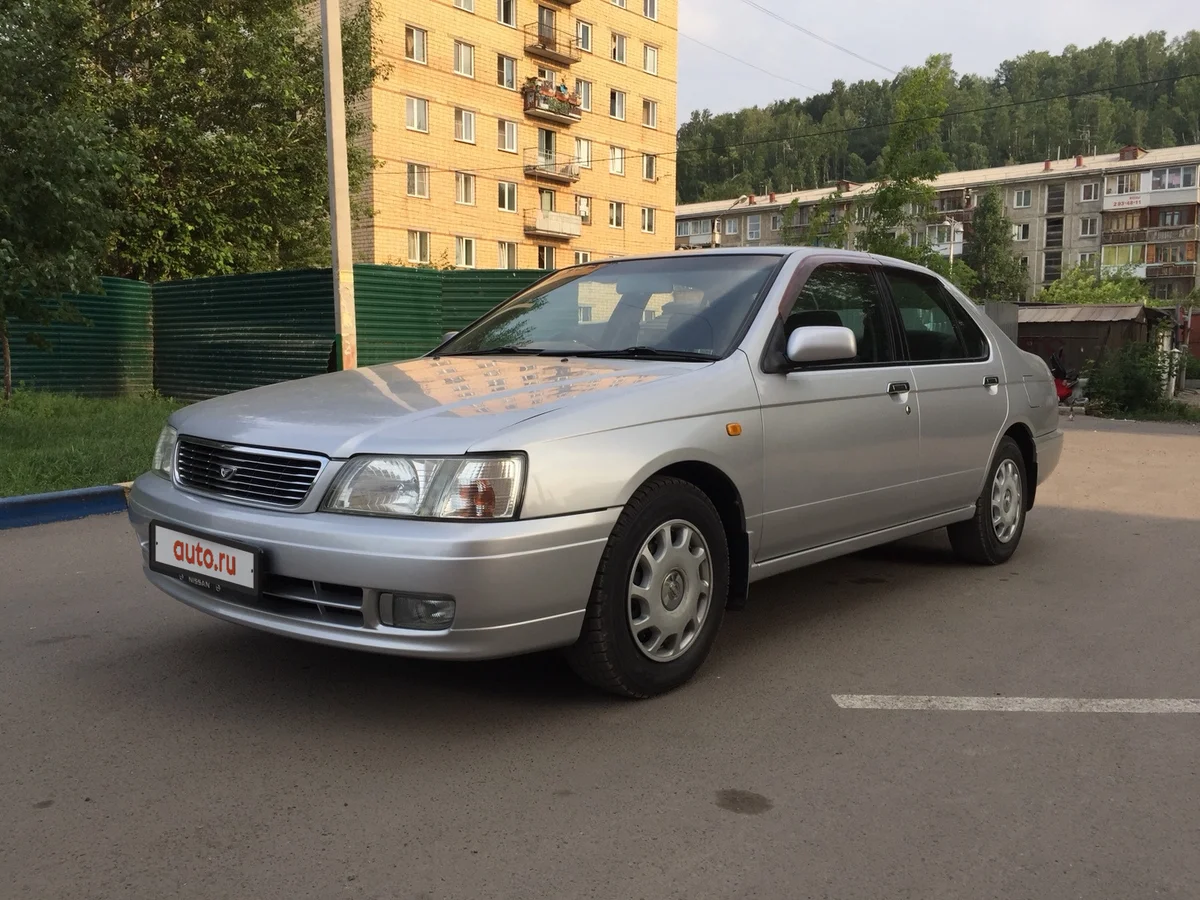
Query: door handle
point(898, 387)
point(991, 381)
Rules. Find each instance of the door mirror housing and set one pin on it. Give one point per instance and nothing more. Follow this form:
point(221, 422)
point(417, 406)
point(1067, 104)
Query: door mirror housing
point(821, 344)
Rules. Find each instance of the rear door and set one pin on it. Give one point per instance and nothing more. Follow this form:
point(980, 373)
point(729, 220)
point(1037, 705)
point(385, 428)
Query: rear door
point(959, 380)
point(840, 441)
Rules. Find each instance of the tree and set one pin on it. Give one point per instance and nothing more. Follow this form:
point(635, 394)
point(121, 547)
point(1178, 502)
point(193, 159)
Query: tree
point(58, 165)
point(1085, 285)
point(223, 107)
point(988, 251)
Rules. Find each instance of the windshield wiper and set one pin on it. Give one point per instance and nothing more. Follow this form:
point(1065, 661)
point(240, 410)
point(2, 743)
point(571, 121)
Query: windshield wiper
point(509, 350)
point(642, 352)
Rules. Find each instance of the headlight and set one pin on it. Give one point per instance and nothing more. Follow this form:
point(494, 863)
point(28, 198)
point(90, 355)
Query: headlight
point(164, 453)
point(479, 487)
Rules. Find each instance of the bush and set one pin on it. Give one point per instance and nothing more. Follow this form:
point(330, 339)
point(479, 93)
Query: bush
point(1128, 380)
point(1193, 367)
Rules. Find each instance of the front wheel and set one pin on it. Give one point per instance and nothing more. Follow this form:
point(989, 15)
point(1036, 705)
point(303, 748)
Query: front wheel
point(659, 595)
point(992, 535)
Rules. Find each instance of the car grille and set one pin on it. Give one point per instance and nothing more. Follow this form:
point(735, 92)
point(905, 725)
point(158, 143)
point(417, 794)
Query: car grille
point(269, 477)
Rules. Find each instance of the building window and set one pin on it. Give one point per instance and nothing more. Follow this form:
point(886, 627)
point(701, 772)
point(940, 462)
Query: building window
point(583, 209)
point(1168, 253)
point(546, 199)
point(506, 136)
point(507, 196)
point(464, 188)
point(417, 114)
point(731, 226)
point(1170, 218)
point(650, 59)
point(583, 152)
point(939, 235)
point(1171, 178)
point(418, 246)
point(616, 160)
point(584, 90)
point(1130, 221)
point(1123, 255)
point(464, 252)
point(1054, 232)
point(650, 113)
point(1024, 263)
point(650, 9)
point(1056, 198)
point(616, 104)
point(753, 228)
point(620, 3)
point(464, 59)
point(506, 72)
point(1087, 260)
point(1021, 232)
point(616, 214)
point(682, 228)
point(1090, 191)
point(1126, 183)
point(416, 45)
point(1089, 226)
point(464, 126)
point(547, 74)
point(647, 220)
point(585, 312)
point(777, 223)
point(545, 257)
point(506, 256)
point(1052, 270)
point(506, 14)
point(583, 35)
point(649, 166)
point(468, 5)
point(418, 180)
point(619, 44)
point(1023, 199)
point(581, 257)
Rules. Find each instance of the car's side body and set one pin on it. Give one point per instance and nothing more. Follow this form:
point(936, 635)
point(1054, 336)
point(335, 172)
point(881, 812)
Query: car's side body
point(802, 463)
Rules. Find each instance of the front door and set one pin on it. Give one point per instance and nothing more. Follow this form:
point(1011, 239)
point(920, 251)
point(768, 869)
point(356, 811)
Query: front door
point(841, 441)
point(546, 21)
point(960, 384)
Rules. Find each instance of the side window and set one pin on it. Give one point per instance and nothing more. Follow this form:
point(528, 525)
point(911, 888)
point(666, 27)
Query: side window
point(844, 295)
point(936, 328)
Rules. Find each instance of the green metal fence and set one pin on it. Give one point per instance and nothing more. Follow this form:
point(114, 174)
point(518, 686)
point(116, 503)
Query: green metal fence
point(219, 335)
point(210, 336)
point(111, 354)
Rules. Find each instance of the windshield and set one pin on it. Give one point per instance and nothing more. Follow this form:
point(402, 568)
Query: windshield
point(683, 307)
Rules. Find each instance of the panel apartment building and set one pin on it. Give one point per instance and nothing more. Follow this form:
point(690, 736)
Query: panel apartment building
point(1134, 208)
point(521, 134)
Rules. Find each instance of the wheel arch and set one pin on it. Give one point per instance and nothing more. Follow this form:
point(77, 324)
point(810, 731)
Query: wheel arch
point(1022, 435)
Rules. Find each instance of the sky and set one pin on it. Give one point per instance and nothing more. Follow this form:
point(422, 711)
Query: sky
point(979, 34)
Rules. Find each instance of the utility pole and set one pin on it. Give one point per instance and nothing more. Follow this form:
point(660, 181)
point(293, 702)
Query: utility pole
point(339, 187)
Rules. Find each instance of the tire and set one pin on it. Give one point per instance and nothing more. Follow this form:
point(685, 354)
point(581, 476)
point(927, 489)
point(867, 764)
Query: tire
point(991, 536)
point(616, 655)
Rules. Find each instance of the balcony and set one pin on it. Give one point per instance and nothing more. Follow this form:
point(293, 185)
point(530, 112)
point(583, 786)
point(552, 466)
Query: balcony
point(551, 43)
point(1137, 236)
point(566, 2)
point(551, 166)
point(1172, 270)
point(544, 223)
point(1164, 234)
point(553, 103)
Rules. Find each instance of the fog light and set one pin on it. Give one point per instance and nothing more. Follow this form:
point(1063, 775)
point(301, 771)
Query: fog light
point(428, 612)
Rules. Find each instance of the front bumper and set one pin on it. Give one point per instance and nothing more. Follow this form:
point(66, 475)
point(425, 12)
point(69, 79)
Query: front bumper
point(518, 586)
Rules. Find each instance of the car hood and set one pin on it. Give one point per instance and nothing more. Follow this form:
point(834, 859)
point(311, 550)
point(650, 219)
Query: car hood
point(428, 405)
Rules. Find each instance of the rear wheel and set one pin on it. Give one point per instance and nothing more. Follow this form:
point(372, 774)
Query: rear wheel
point(659, 594)
point(992, 535)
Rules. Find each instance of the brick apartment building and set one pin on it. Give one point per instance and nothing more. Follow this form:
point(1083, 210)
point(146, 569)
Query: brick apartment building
point(521, 134)
point(1137, 208)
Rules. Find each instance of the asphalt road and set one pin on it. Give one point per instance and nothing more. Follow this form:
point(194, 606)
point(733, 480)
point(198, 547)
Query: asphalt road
point(151, 752)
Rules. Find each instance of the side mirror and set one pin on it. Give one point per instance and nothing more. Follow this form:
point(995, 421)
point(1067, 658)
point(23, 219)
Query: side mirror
point(448, 335)
point(821, 344)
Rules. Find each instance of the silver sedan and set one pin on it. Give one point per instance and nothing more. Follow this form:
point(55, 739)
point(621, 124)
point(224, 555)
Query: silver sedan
point(605, 463)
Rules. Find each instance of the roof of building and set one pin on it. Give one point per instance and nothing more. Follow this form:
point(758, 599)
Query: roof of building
point(1074, 166)
point(1050, 312)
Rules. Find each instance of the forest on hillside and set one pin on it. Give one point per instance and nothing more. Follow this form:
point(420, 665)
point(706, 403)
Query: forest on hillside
point(841, 134)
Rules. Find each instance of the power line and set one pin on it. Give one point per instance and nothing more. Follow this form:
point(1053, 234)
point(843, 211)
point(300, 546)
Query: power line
point(1013, 104)
point(812, 34)
point(750, 64)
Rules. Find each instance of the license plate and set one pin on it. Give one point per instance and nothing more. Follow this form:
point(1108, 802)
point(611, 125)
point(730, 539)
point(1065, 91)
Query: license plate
point(212, 564)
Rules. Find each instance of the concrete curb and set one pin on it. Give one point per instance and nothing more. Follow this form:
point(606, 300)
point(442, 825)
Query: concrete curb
point(62, 506)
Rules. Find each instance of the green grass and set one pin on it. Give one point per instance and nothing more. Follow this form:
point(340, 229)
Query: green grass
point(55, 442)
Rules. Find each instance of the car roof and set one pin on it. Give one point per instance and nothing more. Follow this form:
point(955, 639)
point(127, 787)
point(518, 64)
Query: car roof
point(825, 252)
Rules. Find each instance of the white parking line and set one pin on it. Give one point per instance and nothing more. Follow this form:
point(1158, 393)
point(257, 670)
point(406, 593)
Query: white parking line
point(1014, 704)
